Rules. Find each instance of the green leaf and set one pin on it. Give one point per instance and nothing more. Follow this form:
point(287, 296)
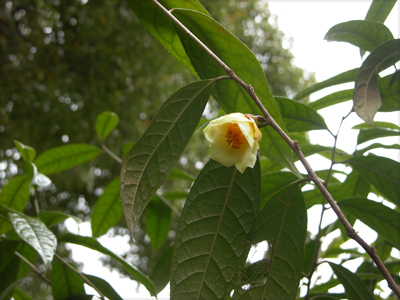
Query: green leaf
point(104, 287)
point(379, 10)
point(283, 222)
point(332, 99)
point(381, 172)
point(95, 245)
point(354, 287)
point(344, 77)
point(107, 210)
point(210, 246)
point(367, 97)
point(387, 125)
point(105, 123)
point(180, 174)
point(299, 116)
point(20, 295)
point(162, 268)
point(377, 145)
point(383, 248)
point(36, 234)
point(7, 248)
point(27, 153)
point(366, 35)
point(354, 185)
point(382, 219)
point(374, 133)
point(50, 218)
point(127, 146)
point(65, 283)
point(158, 221)
point(309, 250)
point(230, 96)
point(64, 157)
point(390, 94)
point(162, 27)
point(155, 154)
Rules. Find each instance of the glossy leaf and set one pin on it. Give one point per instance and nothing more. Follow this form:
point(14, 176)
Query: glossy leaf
point(230, 96)
point(299, 116)
point(95, 245)
point(344, 77)
point(366, 35)
point(107, 210)
point(27, 153)
point(379, 10)
point(65, 283)
point(382, 219)
point(36, 234)
point(104, 287)
point(210, 246)
point(105, 123)
point(374, 133)
point(158, 221)
point(332, 99)
point(367, 97)
point(354, 287)
point(381, 172)
point(283, 222)
point(155, 154)
point(64, 157)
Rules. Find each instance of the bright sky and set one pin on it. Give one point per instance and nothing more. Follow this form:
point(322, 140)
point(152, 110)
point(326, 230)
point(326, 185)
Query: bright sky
point(307, 23)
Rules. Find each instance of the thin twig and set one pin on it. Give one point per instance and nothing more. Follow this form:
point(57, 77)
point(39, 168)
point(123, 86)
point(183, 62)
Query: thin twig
point(297, 150)
point(109, 152)
point(80, 275)
point(41, 275)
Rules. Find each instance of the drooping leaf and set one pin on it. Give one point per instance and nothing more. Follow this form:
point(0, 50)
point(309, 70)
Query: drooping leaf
point(387, 125)
point(158, 220)
point(104, 287)
point(332, 99)
point(105, 123)
point(382, 219)
point(161, 267)
point(377, 145)
point(155, 154)
point(283, 222)
point(27, 153)
point(366, 35)
point(344, 77)
point(95, 245)
point(36, 234)
point(381, 172)
point(367, 97)
point(379, 10)
point(230, 96)
point(299, 116)
point(64, 157)
point(50, 218)
point(210, 246)
point(374, 133)
point(107, 210)
point(354, 287)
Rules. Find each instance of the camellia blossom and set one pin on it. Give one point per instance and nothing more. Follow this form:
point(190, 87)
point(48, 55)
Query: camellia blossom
point(234, 140)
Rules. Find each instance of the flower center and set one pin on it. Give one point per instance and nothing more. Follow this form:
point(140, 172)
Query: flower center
point(234, 136)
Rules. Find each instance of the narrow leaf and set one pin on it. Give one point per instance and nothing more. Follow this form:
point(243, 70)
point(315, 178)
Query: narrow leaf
point(158, 221)
point(105, 123)
point(155, 154)
point(387, 125)
point(36, 234)
point(366, 97)
point(104, 287)
point(210, 246)
point(377, 145)
point(366, 35)
point(107, 210)
point(390, 94)
point(381, 172)
point(283, 222)
point(332, 99)
point(384, 220)
point(344, 77)
point(64, 157)
point(65, 283)
point(95, 245)
point(374, 133)
point(379, 10)
point(354, 287)
point(27, 153)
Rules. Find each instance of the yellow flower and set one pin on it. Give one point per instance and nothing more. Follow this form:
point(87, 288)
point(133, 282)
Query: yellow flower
point(234, 140)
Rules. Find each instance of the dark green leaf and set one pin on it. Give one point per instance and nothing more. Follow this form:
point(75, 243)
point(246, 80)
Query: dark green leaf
point(366, 35)
point(309, 250)
point(50, 218)
point(175, 195)
point(383, 248)
point(299, 116)
point(155, 154)
point(230, 96)
point(105, 123)
point(374, 133)
point(255, 274)
point(64, 157)
point(268, 166)
point(379, 10)
point(366, 96)
point(180, 174)
point(331, 99)
point(27, 153)
point(7, 248)
point(158, 221)
point(107, 210)
point(65, 283)
point(354, 185)
point(390, 94)
point(161, 269)
point(104, 287)
point(344, 77)
point(210, 246)
point(20, 295)
point(283, 222)
point(382, 219)
point(36, 234)
point(354, 287)
point(381, 172)
point(387, 125)
point(95, 245)
point(377, 145)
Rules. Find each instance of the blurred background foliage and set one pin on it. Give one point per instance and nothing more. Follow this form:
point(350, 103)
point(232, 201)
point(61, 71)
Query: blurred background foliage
point(66, 61)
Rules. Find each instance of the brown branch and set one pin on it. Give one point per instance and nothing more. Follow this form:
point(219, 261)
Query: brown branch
point(297, 150)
